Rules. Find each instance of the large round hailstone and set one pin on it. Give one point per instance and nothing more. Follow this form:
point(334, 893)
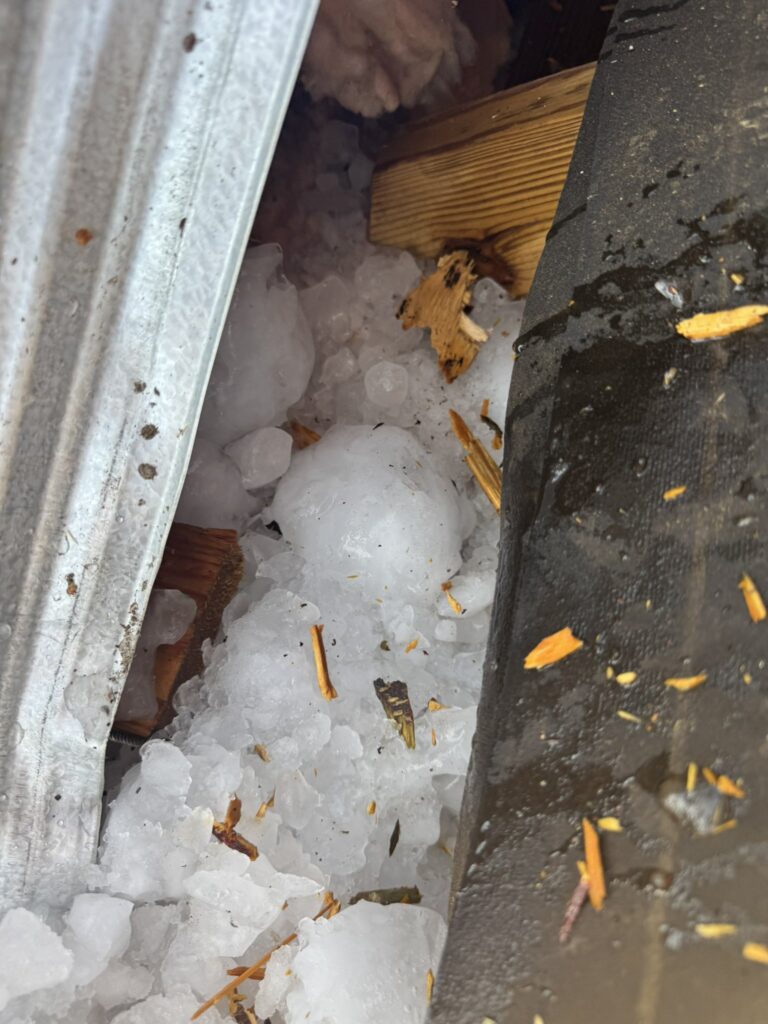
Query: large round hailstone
point(266, 354)
point(366, 502)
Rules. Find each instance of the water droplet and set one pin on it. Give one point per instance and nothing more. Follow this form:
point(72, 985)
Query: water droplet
point(5, 631)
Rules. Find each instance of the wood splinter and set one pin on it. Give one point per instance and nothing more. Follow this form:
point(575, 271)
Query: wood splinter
point(479, 461)
point(225, 832)
point(324, 683)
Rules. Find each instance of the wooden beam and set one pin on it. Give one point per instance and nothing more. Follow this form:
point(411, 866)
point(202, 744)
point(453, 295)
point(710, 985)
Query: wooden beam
point(485, 177)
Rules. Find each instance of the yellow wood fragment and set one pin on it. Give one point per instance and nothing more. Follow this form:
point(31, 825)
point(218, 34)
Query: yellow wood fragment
point(626, 678)
point(538, 1019)
point(434, 738)
point(302, 436)
point(715, 931)
point(433, 704)
point(454, 604)
point(481, 465)
point(265, 806)
point(725, 827)
point(430, 984)
point(709, 775)
point(582, 867)
point(729, 787)
point(752, 598)
point(706, 326)
point(609, 673)
point(685, 683)
point(691, 777)
point(674, 492)
point(629, 717)
point(439, 303)
point(609, 825)
point(371, 808)
point(321, 664)
point(757, 952)
point(263, 753)
point(737, 278)
point(747, 677)
point(594, 864)
point(553, 648)
point(412, 646)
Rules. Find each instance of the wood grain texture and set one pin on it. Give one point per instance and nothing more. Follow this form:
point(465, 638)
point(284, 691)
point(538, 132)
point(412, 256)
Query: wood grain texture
point(206, 565)
point(486, 177)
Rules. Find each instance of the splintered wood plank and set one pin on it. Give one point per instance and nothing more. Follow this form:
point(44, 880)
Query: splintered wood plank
point(206, 565)
point(485, 177)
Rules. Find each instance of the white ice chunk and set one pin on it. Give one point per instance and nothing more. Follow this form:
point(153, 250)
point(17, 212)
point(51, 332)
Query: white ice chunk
point(386, 384)
point(32, 956)
point(99, 929)
point(213, 493)
point(165, 767)
point(122, 983)
point(168, 615)
point(369, 963)
point(261, 456)
point(368, 502)
point(172, 1008)
point(247, 902)
point(266, 354)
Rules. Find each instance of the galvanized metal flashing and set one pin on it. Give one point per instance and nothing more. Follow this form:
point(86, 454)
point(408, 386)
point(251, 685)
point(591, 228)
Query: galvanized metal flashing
point(134, 139)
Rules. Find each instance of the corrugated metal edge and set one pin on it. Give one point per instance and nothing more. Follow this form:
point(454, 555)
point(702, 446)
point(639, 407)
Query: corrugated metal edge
point(151, 128)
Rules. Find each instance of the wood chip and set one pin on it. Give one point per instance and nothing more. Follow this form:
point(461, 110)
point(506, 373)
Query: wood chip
point(263, 753)
point(410, 894)
point(430, 985)
point(83, 236)
point(439, 303)
point(264, 806)
point(594, 861)
point(234, 813)
point(674, 492)
point(575, 903)
point(715, 931)
point(627, 716)
point(302, 436)
point(434, 738)
point(232, 839)
point(609, 825)
point(479, 461)
point(710, 326)
point(737, 278)
point(454, 604)
point(725, 827)
point(752, 598)
point(685, 683)
point(626, 678)
point(371, 808)
point(412, 646)
point(433, 704)
point(321, 664)
point(394, 839)
point(709, 776)
point(393, 697)
point(729, 788)
point(691, 777)
point(553, 648)
point(757, 952)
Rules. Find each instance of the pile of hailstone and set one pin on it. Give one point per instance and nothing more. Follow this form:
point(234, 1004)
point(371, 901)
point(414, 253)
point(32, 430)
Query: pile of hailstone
point(356, 532)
